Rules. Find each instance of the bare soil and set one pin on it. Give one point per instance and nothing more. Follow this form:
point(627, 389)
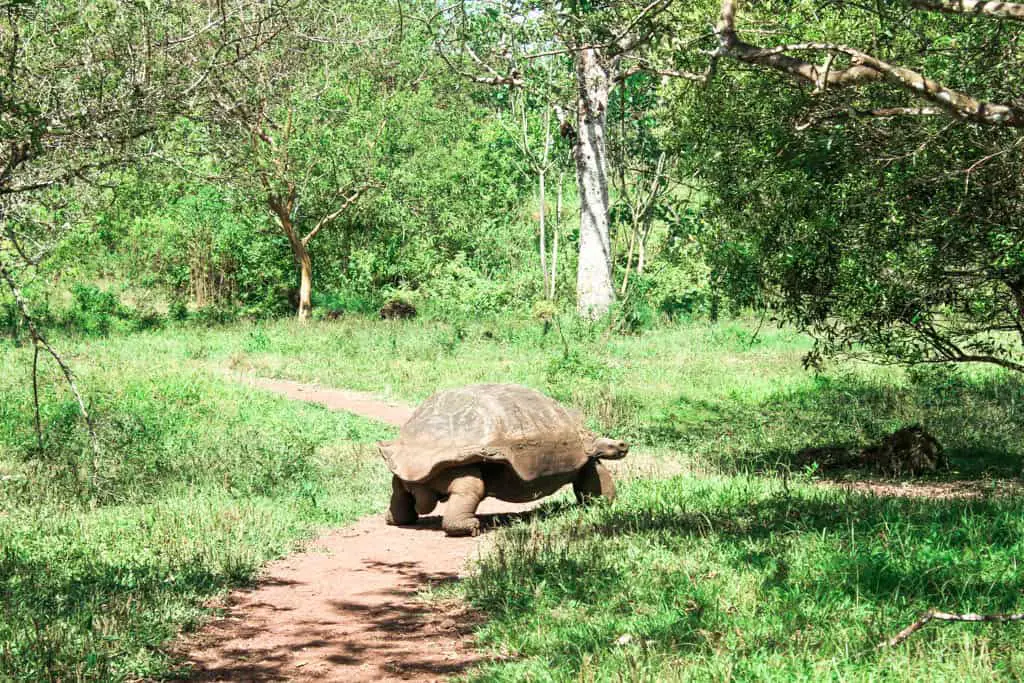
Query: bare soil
point(349, 608)
point(356, 402)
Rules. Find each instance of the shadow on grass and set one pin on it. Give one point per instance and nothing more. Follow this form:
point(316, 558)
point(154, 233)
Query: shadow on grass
point(843, 568)
point(978, 422)
point(63, 615)
point(921, 549)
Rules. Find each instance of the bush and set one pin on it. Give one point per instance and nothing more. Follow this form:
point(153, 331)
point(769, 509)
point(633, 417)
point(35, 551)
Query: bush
point(94, 311)
point(457, 291)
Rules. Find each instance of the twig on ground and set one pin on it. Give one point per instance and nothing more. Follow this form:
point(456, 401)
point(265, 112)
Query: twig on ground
point(946, 616)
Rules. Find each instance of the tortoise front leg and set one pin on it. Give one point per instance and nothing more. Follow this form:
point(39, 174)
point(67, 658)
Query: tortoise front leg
point(403, 506)
point(594, 480)
point(465, 491)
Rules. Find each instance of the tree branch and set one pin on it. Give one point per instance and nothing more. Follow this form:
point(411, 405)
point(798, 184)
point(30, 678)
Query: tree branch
point(998, 10)
point(626, 40)
point(329, 218)
point(39, 340)
point(864, 68)
point(880, 113)
point(935, 615)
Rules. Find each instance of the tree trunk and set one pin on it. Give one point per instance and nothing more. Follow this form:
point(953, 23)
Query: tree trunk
point(642, 256)
point(305, 281)
point(543, 234)
point(554, 248)
point(282, 213)
point(629, 257)
point(594, 289)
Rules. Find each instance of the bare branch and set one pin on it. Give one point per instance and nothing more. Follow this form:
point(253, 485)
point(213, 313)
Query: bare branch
point(514, 79)
point(329, 218)
point(665, 73)
point(626, 40)
point(39, 340)
point(864, 68)
point(999, 10)
point(880, 113)
point(935, 615)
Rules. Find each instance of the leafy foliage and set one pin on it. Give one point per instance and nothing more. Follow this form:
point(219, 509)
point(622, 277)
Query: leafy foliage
point(900, 237)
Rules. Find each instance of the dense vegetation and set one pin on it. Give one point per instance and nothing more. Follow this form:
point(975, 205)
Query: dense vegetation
point(609, 201)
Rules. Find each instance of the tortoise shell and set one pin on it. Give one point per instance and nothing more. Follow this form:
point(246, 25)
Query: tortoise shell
point(498, 423)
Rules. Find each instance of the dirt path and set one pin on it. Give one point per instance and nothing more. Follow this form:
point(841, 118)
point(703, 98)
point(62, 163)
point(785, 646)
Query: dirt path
point(347, 608)
point(356, 402)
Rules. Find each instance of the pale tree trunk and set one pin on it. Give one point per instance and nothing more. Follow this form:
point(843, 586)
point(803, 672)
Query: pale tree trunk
point(554, 248)
point(629, 256)
point(305, 282)
point(642, 247)
point(282, 212)
point(594, 289)
point(642, 255)
point(540, 165)
point(543, 235)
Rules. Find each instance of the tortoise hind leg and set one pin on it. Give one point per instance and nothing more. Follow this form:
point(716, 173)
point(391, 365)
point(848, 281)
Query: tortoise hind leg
point(594, 480)
point(403, 506)
point(465, 491)
point(426, 498)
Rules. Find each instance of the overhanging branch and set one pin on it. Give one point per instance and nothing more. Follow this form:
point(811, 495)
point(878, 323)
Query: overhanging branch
point(999, 10)
point(864, 68)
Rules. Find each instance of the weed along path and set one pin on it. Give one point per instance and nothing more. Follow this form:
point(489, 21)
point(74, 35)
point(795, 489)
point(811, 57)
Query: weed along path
point(347, 609)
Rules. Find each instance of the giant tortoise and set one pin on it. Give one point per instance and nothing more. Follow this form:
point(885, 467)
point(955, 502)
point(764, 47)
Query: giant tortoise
point(500, 440)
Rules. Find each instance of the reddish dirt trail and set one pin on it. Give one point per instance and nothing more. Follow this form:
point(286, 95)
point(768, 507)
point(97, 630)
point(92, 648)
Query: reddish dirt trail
point(356, 402)
point(347, 608)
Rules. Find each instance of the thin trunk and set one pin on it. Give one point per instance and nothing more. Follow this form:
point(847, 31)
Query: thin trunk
point(594, 289)
point(282, 212)
point(641, 254)
point(39, 340)
point(305, 282)
point(543, 235)
point(35, 394)
point(542, 169)
point(647, 215)
point(558, 229)
point(629, 256)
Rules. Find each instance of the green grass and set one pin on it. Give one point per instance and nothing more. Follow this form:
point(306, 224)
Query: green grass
point(742, 578)
point(105, 557)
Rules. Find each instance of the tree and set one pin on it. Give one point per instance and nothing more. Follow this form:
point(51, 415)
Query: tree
point(642, 169)
point(302, 125)
point(80, 85)
point(602, 44)
point(540, 162)
point(868, 197)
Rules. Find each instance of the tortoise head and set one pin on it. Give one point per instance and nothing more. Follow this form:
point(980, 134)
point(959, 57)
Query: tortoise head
point(608, 449)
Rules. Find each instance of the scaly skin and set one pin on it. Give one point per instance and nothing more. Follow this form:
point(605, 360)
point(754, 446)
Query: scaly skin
point(593, 481)
point(403, 506)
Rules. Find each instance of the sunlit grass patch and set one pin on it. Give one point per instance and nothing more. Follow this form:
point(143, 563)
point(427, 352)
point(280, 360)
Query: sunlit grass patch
point(741, 577)
point(716, 573)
